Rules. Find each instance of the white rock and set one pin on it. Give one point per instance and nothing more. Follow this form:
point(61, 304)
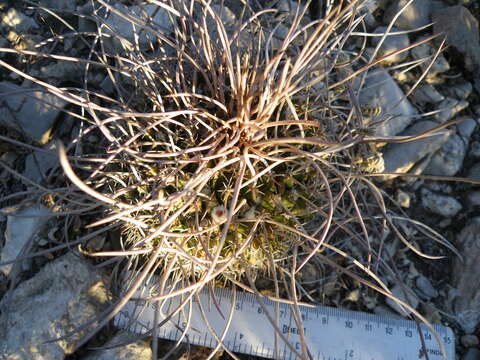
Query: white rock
point(427, 94)
point(448, 108)
point(380, 89)
point(406, 296)
point(63, 295)
point(126, 31)
point(466, 128)
point(38, 164)
point(448, 160)
point(366, 9)
point(468, 320)
point(33, 115)
point(425, 288)
point(390, 44)
point(403, 198)
point(426, 52)
point(461, 30)
point(21, 228)
point(417, 14)
point(442, 205)
point(138, 350)
point(401, 157)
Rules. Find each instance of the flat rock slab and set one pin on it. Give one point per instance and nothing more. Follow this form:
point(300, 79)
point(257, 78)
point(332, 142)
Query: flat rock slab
point(461, 30)
point(31, 112)
point(21, 228)
point(381, 90)
point(127, 32)
point(38, 164)
point(401, 157)
point(63, 295)
point(449, 159)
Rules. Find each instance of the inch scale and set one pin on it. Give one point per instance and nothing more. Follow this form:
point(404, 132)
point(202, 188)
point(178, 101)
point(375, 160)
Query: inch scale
point(329, 333)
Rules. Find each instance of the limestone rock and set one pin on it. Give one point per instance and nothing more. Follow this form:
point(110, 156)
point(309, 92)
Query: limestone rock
point(461, 29)
point(31, 112)
point(417, 14)
point(126, 31)
point(406, 296)
point(380, 89)
point(21, 228)
point(38, 164)
point(442, 205)
point(65, 294)
point(448, 160)
point(448, 108)
point(427, 94)
point(426, 52)
point(401, 157)
point(390, 44)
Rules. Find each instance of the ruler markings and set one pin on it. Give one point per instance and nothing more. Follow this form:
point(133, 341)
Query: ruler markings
point(359, 336)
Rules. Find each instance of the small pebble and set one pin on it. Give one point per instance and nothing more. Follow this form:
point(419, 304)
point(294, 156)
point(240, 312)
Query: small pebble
point(425, 289)
point(42, 242)
point(442, 205)
point(402, 293)
point(469, 340)
point(370, 302)
point(403, 199)
point(353, 296)
point(466, 128)
point(448, 108)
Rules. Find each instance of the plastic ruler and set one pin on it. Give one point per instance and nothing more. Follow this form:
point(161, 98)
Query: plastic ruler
point(329, 333)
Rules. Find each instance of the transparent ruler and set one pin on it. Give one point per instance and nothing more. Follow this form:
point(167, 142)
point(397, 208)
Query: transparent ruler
point(329, 333)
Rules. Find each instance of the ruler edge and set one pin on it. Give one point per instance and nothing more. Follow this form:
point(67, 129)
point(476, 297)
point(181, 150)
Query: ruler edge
point(443, 330)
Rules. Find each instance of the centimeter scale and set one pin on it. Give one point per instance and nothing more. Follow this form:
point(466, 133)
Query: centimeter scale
point(329, 333)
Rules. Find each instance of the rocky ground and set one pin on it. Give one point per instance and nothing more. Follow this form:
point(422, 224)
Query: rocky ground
point(67, 290)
